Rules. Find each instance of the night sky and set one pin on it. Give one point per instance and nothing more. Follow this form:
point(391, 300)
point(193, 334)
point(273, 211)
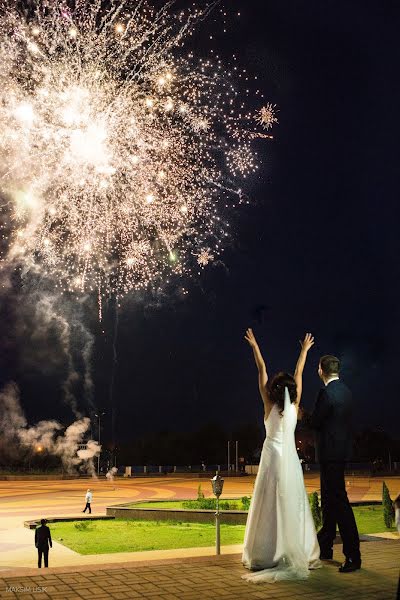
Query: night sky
point(316, 250)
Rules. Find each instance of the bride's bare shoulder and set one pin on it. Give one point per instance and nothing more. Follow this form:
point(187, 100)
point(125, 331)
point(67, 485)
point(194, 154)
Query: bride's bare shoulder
point(267, 411)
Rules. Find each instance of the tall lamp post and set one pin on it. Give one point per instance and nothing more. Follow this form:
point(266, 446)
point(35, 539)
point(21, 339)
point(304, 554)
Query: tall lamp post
point(217, 486)
point(237, 456)
point(99, 415)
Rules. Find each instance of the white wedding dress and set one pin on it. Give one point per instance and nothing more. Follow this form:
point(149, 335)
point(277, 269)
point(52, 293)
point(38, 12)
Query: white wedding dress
point(280, 539)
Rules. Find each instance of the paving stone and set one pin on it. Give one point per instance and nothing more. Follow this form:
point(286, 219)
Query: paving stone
point(215, 578)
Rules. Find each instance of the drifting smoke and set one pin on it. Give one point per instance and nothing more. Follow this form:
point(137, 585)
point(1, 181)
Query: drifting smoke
point(111, 473)
point(56, 319)
point(12, 418)
point(45, 436)
point(47, 317)
point(92, 450)
point(57, 343)
point(87, 349)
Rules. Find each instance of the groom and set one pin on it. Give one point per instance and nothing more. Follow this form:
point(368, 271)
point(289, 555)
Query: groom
point(332, 421)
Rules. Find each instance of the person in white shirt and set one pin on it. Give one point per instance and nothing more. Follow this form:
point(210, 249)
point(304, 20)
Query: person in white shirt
point(88, 498)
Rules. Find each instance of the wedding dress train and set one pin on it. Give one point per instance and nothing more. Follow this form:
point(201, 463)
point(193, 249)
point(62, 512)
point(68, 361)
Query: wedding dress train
point(280, 539)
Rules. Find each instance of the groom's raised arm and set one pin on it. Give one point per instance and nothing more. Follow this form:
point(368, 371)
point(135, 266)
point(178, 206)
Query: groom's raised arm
point(321, 410)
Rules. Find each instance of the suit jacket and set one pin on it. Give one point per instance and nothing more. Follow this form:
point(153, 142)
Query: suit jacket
point(332, 421)
point(43, 537)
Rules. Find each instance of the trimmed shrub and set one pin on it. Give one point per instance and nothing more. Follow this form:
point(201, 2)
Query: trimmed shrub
point(208, 504)
point(245, 502)
point(315, 510)
point(388, 508)
point(84, 526)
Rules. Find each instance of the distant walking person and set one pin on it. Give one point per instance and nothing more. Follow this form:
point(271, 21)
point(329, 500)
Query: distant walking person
point(332, 420)
point(42, 543)
point(88, 498)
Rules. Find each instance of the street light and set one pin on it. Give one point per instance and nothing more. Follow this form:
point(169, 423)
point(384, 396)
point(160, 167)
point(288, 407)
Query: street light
point(99, 415)
point(217, 486)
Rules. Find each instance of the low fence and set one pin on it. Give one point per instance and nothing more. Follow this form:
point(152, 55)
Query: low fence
point(172, 469)
point(197, 471)
point(361, 469)
point(36, 477)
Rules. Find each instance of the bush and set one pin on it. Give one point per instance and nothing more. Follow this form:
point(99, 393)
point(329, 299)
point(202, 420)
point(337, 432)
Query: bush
point(388, 508)
point(245, 502)
point(200, 503)
point(315, 510)
point(207, 504)
point(83, 526)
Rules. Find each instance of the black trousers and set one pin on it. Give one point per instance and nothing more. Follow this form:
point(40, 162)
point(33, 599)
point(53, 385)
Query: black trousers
point(336, 510)
point(88, 507)
point(45, 552)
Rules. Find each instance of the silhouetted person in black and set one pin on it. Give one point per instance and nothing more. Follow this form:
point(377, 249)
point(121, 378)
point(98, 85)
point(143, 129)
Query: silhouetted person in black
point(332, 420)
point(42, 543)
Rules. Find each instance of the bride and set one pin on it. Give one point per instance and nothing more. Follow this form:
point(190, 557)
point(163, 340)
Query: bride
point(280, 540)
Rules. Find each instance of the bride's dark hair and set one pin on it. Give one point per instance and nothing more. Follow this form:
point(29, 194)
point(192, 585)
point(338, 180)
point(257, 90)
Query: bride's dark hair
point(276, 389)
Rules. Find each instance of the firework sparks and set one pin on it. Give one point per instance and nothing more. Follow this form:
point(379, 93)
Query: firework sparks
point(205, 257)
point(112, 141)
point(267, 116)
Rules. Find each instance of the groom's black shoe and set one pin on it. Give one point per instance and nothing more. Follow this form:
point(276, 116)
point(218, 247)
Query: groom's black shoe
point(350, 565)
point(326, 555)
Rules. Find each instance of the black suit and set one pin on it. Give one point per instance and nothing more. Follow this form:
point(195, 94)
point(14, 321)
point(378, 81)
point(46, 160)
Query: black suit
point(332, 420)
point(42, 542)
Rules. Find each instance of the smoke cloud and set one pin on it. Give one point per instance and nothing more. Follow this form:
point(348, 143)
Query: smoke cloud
point(111, 473)
point(46, 333)
point(45, 436)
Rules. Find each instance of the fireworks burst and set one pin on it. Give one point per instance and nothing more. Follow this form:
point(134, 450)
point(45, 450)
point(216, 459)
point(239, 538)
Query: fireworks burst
point(204, 257)
point(267, 116)
point(117, 147)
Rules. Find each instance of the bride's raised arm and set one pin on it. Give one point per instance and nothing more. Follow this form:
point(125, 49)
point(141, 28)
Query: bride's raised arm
point(306, 344)
point(262, 369)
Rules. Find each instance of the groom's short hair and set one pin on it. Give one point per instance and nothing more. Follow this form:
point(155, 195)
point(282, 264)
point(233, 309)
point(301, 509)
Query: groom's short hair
point(330, 365)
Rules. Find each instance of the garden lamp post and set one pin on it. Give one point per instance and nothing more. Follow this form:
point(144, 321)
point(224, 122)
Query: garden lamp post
point(217, 486)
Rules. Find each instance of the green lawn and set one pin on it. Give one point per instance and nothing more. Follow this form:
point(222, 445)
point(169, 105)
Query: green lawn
point(369, 518)
point(120, 535)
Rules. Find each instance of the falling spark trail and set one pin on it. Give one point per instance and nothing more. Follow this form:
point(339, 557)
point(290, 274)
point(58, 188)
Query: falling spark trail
point(113, 374)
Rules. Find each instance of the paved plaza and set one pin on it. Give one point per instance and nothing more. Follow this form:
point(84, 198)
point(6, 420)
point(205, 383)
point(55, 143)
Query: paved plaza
point(208, 577)
point(184, 574)
point(29, 499)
